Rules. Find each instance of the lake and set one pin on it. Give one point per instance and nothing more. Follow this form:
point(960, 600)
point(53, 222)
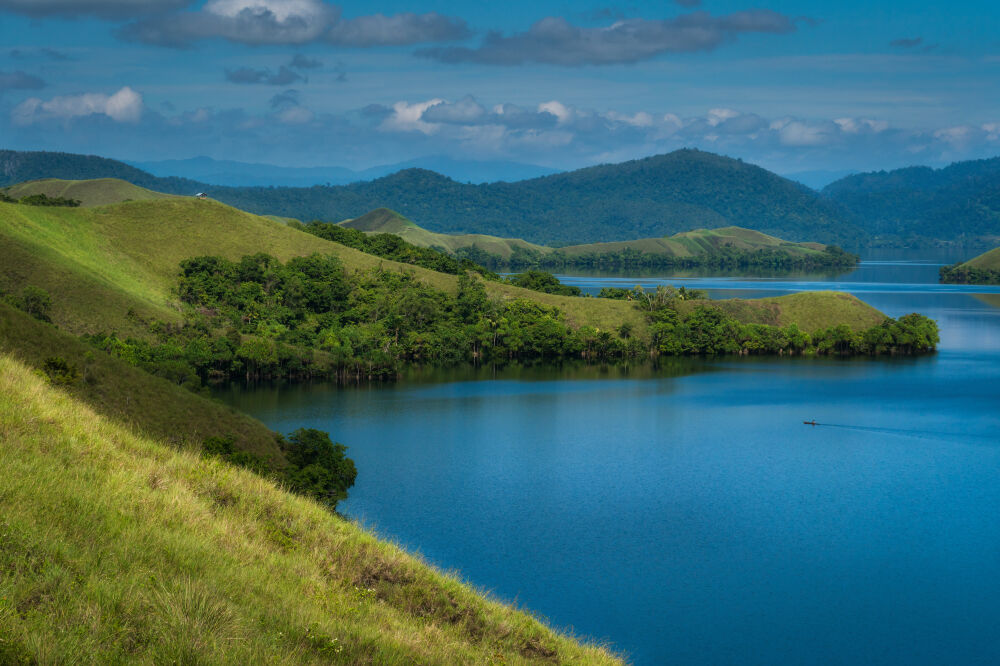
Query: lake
point(684, 514)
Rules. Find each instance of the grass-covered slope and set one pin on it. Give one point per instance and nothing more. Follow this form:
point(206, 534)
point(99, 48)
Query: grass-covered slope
point(100, 262)
point(987, 260)
point(131, 396)
point(809, 310)
point(701, 242)
point(97, 192)
point(117, 549)
point(385, 221)
point(983, 269)
point(682, 244)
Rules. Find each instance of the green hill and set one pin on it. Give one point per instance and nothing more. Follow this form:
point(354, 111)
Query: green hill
point(697, 244)
point(98, 263)
point(126, 394)
point(97, 192)
point(115, 548)
point(984, 269)
point(988, 260)
point(646, 198)
point(651, 197)
point(701, 242)
point(960, 202)
point(385, 221)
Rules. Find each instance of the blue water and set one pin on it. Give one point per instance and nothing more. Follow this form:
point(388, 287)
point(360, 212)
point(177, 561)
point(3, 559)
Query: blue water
point(685, 514)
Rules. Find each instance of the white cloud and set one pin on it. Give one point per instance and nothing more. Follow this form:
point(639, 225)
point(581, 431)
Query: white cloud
point(859, 125)
point(282, 10)
point(716, 116)
point(295, 115)
point(125, 106)
point(407, 117)
point(557, 109)
point(797, 133)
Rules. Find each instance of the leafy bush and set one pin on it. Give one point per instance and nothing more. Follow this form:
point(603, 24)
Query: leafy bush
point(35, 301)
point(44, 200)
point(319, 467)
point(60, 371)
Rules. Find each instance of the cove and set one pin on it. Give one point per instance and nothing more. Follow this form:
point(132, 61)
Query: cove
point(683, 513)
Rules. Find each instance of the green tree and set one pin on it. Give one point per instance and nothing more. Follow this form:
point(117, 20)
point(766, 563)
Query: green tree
point(320, 468)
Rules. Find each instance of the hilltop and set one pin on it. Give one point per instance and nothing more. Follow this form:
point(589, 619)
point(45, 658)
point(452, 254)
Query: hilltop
point(117, 548)
point(101, 262)
point(644, 198)
point(97, 192)
point(651, 197)
point(960, 202)
point(984, 269)
point(687, 247)
point(385, 221)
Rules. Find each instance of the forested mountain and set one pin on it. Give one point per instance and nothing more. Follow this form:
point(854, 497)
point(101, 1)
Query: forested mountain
point(651, 197)
point(959, 202)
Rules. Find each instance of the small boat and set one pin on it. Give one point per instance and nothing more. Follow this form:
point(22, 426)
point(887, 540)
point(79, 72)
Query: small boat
point(812, 423)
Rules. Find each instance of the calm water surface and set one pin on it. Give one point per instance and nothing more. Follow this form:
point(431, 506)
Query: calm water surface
point(684, 514)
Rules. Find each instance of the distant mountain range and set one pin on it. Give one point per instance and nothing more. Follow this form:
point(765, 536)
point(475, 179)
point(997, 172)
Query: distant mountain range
point(647, 198)
point(244, 174)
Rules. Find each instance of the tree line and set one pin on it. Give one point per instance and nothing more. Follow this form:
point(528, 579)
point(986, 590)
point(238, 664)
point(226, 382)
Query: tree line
point(725, 258)
point(963, 274)
point(260, 318)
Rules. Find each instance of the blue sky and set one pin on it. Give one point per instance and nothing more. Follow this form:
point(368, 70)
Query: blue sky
point(792, 86)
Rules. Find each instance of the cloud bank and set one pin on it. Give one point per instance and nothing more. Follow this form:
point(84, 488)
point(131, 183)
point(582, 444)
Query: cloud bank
point(258, 22)
point(19, 81)
point(551, 133)
point(114, 9)
point(124, 106)
point(555, 41)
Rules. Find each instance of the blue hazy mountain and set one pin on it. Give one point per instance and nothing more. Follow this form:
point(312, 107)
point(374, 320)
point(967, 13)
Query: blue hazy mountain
point(248, 174)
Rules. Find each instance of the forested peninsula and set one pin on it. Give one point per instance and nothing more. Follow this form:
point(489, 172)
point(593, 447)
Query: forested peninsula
point(984, 269)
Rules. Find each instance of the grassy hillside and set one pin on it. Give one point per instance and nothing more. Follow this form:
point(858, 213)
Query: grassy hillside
point(131, 396)
point(700, 242)
point(684, 244)
point(984, 269)
point(988, 260)
point(100, 262)
point(810, 311)
point(117, 549)
point(99, 192)
point(385, 221)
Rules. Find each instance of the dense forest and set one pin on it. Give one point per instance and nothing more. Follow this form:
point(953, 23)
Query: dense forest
point(651, 197)
point(960, 202)
point(260, 318)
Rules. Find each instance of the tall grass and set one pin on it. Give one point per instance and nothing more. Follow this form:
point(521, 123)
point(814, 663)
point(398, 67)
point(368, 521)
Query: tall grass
point(117, 549)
